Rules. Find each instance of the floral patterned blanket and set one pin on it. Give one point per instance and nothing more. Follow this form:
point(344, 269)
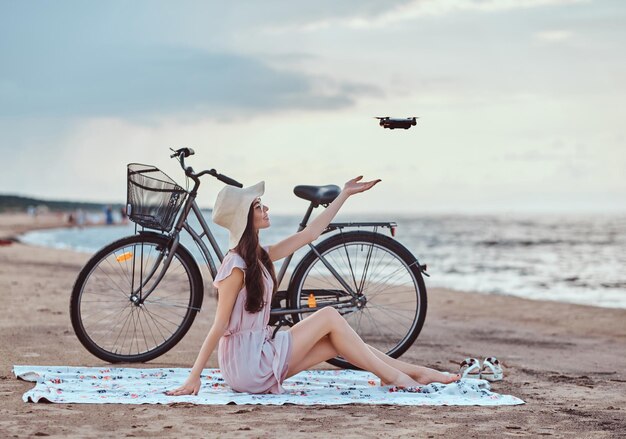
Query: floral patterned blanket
point(96, 385)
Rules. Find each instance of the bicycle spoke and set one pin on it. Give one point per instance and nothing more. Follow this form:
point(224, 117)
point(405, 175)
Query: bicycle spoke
point(166, 304)
point(366, 267)
point(172, 295)
point(121, 291)
point(373, 290)
point(134, 332)
point(329, 275)
point(356, 318)
point(390, 313)
point(143, 331)
point(125, 271)
point(354, 261)
point(383, 324)
point(350, 265)
point(156, 325)
point(396, 303)
point(112, 327)
point(382, 272)
point(163, 318)
point(128, 327)
point(385, 281)
point(344, 261)
point(87, 317)
point(121, 329)
point(379, 267)
point(383, 288)
point(365, 311)
point(143, 313)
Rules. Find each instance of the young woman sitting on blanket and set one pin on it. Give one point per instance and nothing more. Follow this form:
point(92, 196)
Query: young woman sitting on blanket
point(250, 359)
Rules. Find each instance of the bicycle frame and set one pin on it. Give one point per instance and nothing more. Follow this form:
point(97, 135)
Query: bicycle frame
point(190, 206)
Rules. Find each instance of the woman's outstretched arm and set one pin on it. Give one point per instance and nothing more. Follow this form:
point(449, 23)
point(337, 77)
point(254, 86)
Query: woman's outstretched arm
point(315, 228)
point(228, 291)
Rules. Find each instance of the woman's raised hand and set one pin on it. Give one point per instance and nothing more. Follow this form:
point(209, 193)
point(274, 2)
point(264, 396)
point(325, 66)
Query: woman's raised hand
point(354, 186)
point(190, 387)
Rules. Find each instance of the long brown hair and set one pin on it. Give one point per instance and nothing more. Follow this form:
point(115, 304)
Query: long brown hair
point(254, 255)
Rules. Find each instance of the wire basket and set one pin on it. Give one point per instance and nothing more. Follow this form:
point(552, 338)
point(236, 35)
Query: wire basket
point(153, 199)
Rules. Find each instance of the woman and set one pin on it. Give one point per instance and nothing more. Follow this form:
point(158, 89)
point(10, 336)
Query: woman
point(250, 360)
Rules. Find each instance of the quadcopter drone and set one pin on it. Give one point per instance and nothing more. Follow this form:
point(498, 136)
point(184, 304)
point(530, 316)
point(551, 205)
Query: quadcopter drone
point(394, 122)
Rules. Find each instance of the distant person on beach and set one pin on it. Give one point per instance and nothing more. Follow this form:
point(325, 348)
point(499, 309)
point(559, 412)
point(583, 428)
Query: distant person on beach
point(108, 214)
point(250, 359)
point(80, 218)
point(123, 215)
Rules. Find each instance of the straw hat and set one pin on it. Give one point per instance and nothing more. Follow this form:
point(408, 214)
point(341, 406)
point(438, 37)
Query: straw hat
point(231, 209)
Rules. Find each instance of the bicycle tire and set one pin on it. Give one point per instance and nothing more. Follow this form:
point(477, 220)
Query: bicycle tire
point(96, 276)
point(350, 241)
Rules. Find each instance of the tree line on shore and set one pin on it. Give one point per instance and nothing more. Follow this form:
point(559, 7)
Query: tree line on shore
point(16, 203)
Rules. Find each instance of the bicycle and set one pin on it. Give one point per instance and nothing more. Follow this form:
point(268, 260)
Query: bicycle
point(137, 297)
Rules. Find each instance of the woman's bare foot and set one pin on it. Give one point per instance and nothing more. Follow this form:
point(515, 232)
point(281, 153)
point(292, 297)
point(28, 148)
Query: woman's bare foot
point(425, 375)
point(402, 380)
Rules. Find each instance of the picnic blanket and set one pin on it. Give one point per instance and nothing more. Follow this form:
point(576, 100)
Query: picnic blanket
point(99, 385)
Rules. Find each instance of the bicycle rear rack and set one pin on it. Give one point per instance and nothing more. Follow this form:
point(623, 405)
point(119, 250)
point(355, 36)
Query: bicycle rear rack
point(392, 226)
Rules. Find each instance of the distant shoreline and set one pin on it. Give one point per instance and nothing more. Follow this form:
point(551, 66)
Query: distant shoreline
point(15, 224)
point(17, 204)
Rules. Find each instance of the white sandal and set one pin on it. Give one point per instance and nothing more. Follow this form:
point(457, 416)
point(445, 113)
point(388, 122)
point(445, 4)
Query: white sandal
point(470, 368)
point(491, 370)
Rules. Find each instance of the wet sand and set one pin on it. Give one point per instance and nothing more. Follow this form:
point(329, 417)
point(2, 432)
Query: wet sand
point(566, 361)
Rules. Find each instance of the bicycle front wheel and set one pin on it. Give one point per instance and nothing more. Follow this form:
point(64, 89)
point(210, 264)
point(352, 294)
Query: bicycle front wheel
point(111, 316)
point(388, 307)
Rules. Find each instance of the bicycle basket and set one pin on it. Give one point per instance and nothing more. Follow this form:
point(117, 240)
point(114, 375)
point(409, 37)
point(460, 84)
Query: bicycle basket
point(153, 199)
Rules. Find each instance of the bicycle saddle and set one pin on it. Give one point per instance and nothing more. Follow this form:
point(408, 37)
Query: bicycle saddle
point(318, 194)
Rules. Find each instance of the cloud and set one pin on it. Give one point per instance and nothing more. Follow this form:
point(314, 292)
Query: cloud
point(553, 35)
point(126, 81)
point(407, 11)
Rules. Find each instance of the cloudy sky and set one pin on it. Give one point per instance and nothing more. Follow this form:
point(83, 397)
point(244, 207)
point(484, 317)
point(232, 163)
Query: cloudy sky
point(521, 101)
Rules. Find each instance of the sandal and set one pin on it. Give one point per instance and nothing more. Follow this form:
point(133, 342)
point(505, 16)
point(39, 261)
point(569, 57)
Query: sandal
point(491, 370)
point(470, 368)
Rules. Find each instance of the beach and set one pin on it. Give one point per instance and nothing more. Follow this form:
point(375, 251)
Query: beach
point(566, 361)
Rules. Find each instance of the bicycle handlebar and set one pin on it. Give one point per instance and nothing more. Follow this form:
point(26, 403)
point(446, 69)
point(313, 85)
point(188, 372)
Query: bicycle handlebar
point(186, 152)
point(181, 153)
point(228, 180)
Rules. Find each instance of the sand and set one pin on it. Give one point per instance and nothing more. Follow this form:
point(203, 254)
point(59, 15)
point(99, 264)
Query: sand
point(566, 361)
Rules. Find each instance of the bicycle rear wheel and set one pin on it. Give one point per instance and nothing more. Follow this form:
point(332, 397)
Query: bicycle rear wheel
point(108, 312)
point(389, 309)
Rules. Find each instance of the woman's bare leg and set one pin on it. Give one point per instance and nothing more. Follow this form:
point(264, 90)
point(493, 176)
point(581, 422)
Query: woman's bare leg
point(324, 350)
point(421, 374)
point(347, 343)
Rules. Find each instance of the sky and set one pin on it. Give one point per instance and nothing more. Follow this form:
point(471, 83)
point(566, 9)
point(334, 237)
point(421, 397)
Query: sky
point(520, 101)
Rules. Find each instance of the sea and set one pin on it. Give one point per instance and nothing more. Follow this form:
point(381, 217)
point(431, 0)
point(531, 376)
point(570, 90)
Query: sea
point(566, 258)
